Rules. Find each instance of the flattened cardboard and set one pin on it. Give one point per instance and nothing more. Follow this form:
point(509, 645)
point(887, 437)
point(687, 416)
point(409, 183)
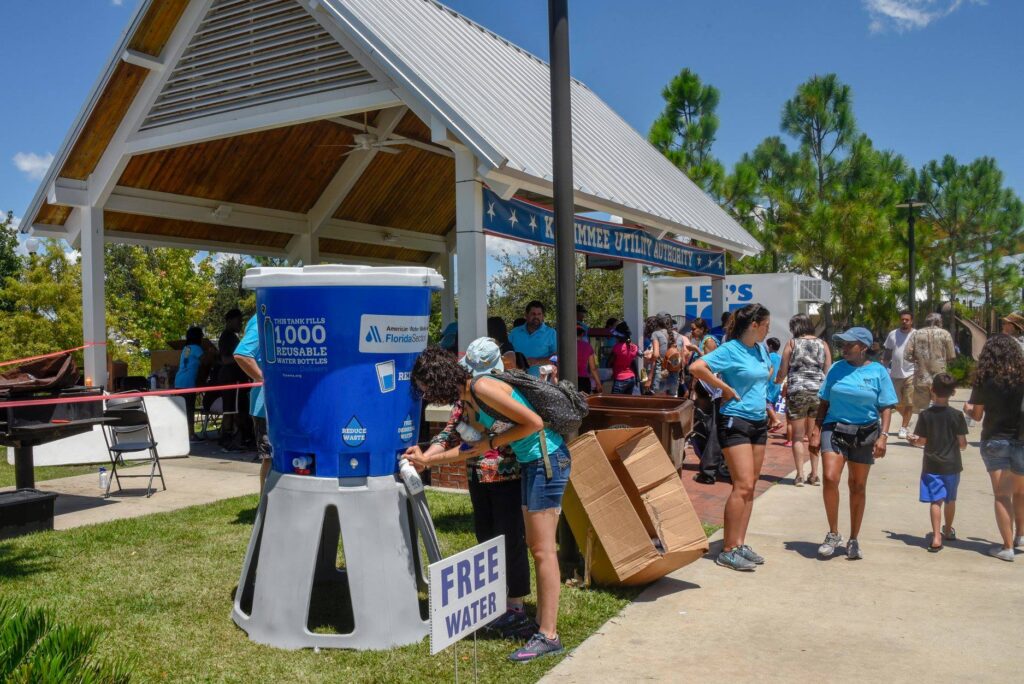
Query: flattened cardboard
point(596, 500)
point(622, 492)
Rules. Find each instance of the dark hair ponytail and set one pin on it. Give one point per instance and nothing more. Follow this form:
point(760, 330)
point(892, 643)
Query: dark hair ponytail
point(742, 318)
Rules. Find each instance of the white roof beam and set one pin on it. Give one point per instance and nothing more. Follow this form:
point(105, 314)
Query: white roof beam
point(351, 170)
point(183, 208)
point(110, 166)
point(262, 117)
point(129, 238)
point(337, 229)
point(68, 192)
point(141, 59)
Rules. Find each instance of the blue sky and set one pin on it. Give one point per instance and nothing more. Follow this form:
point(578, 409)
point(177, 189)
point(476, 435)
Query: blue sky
point(929, 77)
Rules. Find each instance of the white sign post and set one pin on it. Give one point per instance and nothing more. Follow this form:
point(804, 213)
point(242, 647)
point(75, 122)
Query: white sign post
point(467, 591)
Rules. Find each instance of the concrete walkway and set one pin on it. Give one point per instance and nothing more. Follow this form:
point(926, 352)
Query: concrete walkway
point(191, 481)
point(901, 614)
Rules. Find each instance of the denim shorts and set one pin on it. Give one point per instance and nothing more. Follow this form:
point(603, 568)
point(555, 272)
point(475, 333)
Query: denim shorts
point(538, 492)
point(623, 386)
point(1000, 454)
point(864, 454)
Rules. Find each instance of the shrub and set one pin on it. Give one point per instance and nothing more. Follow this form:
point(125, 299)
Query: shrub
point(35, 648)
point(962, 370)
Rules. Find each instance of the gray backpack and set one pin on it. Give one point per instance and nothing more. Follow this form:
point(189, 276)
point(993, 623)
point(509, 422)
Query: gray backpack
point(562, 407)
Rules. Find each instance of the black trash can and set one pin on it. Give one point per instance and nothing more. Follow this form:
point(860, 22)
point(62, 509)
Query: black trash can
point(24, 511)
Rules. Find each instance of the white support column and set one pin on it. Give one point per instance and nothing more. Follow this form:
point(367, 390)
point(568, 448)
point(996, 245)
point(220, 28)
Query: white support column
point(304, 248)
point(94, 319)
point(633, 299)
point(471, 252)
point(717, 301)
point(447, 269)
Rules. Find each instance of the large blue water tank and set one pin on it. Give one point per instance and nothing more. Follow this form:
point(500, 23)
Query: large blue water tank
point(338, 346)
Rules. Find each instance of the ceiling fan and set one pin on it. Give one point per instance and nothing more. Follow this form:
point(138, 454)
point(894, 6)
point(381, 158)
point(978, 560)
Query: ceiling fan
point(367, 141)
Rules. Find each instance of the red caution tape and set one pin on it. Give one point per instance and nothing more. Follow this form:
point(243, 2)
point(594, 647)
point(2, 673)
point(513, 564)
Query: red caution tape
point(121, 395)
point(51, 354)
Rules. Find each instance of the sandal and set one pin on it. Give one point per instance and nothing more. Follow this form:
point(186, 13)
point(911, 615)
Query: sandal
point(948, 533)
point(813, 480)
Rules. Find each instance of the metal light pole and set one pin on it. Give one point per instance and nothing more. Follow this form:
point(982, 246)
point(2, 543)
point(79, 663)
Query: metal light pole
point(909, 205)
point(561, 163)
point(565, 239)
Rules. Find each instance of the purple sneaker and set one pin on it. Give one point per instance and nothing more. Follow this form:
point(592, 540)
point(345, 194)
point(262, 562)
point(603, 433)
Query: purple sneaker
point(537, 647)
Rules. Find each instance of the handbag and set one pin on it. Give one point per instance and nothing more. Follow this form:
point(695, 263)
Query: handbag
point(856, 436)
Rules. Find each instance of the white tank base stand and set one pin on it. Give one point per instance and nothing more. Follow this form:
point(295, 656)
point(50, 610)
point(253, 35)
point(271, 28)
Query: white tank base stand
point(381, 561)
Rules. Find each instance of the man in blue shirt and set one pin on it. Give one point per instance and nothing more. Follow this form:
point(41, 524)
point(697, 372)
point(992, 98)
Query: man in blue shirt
point(249, 356)
point(581, 313)
point(534, 339)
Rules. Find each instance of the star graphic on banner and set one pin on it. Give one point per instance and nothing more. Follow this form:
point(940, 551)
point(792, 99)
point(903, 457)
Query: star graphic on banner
point(512, 220)
point(533, 223)
point(490, 210)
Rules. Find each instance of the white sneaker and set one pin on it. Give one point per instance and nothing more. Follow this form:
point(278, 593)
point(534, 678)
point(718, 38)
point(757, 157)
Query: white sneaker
point(1001, 553)
point(1018, 542)
point(902, 434)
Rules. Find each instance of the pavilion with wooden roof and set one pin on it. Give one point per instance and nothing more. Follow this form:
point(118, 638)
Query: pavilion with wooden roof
point(355, 131)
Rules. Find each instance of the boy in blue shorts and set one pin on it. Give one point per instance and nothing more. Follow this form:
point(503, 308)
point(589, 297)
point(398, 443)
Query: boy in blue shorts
point(942, 431)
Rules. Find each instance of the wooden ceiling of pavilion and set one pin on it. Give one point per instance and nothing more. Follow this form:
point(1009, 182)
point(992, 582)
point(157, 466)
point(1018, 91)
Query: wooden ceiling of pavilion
point(281, 169)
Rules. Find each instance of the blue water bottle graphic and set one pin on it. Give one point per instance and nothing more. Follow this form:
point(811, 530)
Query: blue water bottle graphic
point(269, 348)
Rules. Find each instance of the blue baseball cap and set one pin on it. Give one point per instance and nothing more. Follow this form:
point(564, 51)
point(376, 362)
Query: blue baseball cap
point(862, 335)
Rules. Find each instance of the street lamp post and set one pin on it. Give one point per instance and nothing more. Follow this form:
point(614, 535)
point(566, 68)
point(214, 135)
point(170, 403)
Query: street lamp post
point(562, 188)
point(909, 205)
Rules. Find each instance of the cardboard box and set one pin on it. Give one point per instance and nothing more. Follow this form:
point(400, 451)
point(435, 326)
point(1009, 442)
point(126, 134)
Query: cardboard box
point(164, 357)
point(624, 497)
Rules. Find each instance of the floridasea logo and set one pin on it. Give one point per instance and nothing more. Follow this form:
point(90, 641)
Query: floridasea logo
point(354, 433)
point(406, 430)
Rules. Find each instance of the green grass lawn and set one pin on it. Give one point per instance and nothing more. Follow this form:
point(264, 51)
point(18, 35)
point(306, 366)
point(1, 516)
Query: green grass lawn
point(160, 587)
point(42, 472)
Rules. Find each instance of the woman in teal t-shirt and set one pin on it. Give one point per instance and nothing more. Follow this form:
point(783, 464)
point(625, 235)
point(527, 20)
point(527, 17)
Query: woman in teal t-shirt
point(441, 379)
point(857, 399)
point(741, 369)
point(187, 375)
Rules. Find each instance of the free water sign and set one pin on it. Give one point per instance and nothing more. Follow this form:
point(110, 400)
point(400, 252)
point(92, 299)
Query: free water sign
point(467, 591)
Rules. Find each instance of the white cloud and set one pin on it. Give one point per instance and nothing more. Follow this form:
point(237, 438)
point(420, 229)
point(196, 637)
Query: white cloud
point(498, 245)
point(118, 3)
point(32, 164)
point(908, 15)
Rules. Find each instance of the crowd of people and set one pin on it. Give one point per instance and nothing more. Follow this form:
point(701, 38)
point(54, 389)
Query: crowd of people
point(236, 362)
point(837, 418)
point(742, 383)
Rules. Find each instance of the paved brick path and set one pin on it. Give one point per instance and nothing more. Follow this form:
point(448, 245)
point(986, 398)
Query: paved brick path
point(709, 500)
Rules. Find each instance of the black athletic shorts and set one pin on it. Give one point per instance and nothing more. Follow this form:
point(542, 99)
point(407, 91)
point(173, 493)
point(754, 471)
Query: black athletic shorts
point(733, 431)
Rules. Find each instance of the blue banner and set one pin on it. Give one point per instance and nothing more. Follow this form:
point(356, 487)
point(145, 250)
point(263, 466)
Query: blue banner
point(526, 222)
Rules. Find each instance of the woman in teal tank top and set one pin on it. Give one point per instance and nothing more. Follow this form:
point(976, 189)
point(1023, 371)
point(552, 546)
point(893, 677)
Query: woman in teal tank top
point(441, 379)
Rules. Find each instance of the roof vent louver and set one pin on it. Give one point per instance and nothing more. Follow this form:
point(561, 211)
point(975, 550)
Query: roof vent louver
point(251, 52)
